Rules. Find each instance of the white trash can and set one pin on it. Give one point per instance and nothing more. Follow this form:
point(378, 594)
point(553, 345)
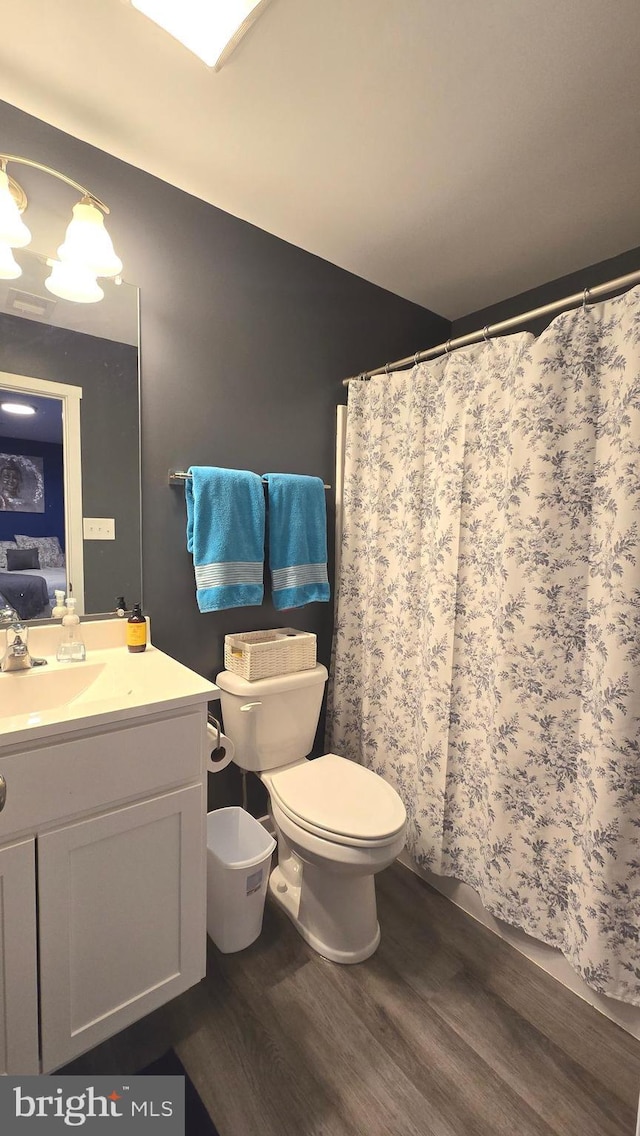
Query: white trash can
point(239, 851)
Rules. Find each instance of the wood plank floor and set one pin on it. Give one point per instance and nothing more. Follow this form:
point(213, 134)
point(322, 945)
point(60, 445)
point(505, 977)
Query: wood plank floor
point(446, 1031)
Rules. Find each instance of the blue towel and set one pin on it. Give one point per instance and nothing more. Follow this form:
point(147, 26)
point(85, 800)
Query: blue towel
point(225, 533)
point(297, 540)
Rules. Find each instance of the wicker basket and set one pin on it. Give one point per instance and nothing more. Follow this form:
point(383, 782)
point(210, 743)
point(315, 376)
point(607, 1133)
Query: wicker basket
point(263, 654)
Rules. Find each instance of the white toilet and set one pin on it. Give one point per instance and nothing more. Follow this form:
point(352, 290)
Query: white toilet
point(337, 822)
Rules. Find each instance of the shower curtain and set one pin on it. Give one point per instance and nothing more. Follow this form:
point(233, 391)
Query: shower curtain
point(487, 642)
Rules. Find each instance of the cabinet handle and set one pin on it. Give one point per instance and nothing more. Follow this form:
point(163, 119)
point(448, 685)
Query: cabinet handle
point(3, 792)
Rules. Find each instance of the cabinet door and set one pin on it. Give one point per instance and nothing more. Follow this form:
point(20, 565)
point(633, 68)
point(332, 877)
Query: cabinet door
point(122, 919)
point(18, 960)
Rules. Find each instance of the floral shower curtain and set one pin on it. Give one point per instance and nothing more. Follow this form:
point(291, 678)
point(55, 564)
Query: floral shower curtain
point(487, 644)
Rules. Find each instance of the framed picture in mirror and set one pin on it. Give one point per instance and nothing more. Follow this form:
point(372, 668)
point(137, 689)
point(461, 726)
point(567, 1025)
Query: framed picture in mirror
point(21, 483)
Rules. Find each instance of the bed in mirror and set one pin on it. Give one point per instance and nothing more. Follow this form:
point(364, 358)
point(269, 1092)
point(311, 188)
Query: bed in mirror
point(70, 515)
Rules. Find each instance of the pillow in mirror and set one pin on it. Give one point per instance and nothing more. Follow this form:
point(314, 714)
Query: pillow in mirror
point(22, 559)
point(3, 546)
point(49, 551)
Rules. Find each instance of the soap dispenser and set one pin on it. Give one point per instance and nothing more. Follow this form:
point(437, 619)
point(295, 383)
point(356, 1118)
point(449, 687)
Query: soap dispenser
point(72, 648)
point(60, 608)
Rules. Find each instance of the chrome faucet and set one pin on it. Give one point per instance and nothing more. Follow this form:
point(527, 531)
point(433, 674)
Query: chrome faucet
point(16, 656)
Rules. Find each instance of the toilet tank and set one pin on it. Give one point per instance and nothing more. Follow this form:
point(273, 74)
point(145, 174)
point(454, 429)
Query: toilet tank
point(273, 721)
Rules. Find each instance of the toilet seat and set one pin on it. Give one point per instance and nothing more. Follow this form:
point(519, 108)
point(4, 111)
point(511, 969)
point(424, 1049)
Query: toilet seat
point(338, 800)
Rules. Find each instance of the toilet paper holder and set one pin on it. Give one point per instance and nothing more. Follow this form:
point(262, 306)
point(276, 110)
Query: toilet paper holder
point(219, 751)
point(220, 748)
point(215, 723)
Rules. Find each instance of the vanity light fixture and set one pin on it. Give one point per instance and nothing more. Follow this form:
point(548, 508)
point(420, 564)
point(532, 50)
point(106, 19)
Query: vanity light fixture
point(86, 252)
point(73, 282)
point(9, 267)
point(211, 29)
point(17, 408)
point(13, 231)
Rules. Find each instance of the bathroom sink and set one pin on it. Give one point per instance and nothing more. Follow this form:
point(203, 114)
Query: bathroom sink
point(110, 686)
point(40, 690)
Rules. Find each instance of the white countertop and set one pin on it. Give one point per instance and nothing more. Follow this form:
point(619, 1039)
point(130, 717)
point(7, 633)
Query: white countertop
point(110, 685)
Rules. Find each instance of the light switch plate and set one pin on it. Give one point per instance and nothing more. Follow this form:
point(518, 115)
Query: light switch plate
point(99, 528)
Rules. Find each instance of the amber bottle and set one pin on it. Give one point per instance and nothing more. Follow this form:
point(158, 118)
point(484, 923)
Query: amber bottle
point(136, 630)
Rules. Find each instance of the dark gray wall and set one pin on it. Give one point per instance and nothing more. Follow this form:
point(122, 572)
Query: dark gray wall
point(549, 293)
point(245, 340)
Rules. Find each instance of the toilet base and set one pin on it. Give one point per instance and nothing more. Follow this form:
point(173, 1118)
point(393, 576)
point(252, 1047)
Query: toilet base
point(347, 930)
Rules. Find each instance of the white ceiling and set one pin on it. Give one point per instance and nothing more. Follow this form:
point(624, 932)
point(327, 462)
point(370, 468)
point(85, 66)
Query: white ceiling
point(453, 151)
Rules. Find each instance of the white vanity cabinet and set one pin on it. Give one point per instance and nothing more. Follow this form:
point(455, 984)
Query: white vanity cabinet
point(18, 959)
point(102, 841)
point(120, 907)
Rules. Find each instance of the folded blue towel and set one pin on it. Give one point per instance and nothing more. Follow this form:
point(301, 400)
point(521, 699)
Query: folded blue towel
point(297, 540)
point(225, 533)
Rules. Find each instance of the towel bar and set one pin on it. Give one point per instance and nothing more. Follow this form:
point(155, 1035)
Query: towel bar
point(179, 476)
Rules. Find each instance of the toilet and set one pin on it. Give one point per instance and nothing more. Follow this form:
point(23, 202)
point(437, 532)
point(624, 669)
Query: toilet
point(337, 823)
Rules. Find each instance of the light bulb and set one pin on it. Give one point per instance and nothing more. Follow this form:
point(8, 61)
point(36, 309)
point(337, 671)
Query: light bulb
point(9, 267)
point(13, 231)
point(17, 408)
point(73, 282)
point(87, 243)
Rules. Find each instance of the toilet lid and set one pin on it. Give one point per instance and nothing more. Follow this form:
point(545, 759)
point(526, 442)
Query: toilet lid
point(340, 797)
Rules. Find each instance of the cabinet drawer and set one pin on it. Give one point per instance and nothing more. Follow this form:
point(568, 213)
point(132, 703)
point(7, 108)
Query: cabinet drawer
point(100, 769)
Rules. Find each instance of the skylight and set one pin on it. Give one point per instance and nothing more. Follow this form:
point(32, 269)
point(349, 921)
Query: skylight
point(211, 29)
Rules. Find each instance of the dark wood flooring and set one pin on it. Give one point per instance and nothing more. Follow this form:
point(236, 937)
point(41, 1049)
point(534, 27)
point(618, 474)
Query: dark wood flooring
point(446, 1031)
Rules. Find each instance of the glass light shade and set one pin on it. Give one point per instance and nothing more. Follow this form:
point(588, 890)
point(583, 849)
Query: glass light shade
point(87, 243)
point(73, 282)
point(20, 408)
point(9, 268)
point(210, 30)
point(13, 231)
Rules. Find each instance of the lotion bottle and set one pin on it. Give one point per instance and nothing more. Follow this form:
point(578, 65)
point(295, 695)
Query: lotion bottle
point(136, 630)
point(60, 609)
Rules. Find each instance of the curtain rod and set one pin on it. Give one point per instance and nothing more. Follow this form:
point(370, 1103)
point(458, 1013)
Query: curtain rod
point(504, 325)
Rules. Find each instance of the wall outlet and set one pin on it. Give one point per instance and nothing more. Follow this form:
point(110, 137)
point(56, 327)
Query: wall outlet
point(99, 528)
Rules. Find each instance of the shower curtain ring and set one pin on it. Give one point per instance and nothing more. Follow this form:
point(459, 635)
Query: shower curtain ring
point(386, 368)
point(585, 297)
point(416, 360)
point(485, 333)
point(446, 347)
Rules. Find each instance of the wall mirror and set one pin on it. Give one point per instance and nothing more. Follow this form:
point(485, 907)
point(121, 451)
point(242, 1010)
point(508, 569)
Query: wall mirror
point(70, 466)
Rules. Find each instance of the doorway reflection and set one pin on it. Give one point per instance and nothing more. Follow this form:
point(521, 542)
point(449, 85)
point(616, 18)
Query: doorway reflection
point(33, 562)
